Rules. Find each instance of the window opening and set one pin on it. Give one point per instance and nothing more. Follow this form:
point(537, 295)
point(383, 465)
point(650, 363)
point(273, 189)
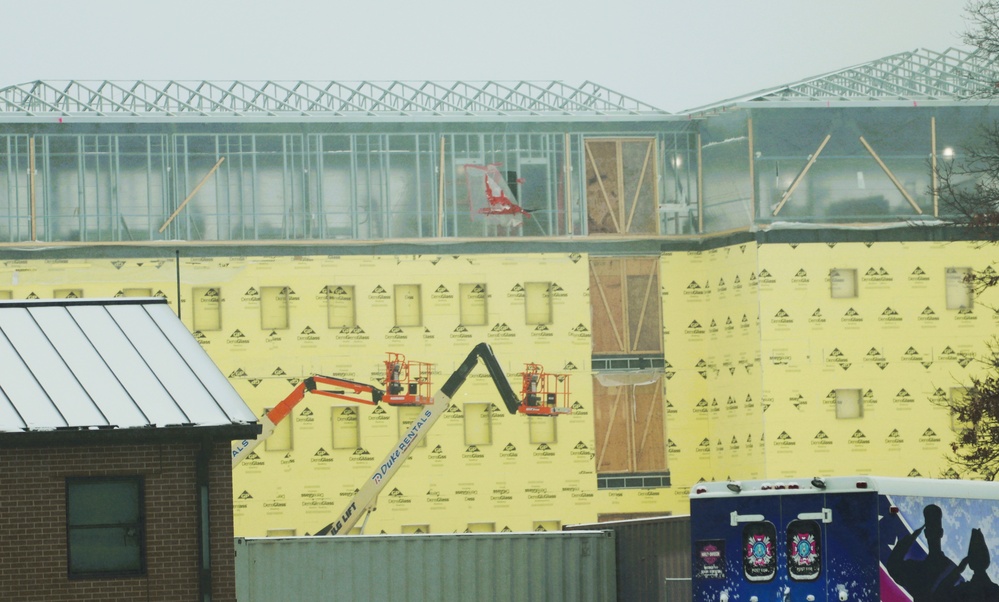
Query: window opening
point(206, 308)
point(274, 307)
point(340, 306)
point(105, 526)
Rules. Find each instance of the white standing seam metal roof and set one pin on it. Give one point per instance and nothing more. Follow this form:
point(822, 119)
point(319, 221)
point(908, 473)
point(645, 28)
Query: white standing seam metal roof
point(83, 364)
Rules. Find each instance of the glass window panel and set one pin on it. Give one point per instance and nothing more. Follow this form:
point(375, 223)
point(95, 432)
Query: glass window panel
point(103, 503)
point(105, 550)
point(104, 522)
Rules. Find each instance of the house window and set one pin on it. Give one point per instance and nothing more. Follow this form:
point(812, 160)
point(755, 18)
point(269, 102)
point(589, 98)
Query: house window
point(849, 403)
point(472, 306)
point(280, 439)
point(538, 302)
point(478, 424)
point(274, 307)
point(960, 294)
point(105, 525)
point(206, 308)
point(340, 306)
point(346, 431)
point(407, 305)
point(843, 283)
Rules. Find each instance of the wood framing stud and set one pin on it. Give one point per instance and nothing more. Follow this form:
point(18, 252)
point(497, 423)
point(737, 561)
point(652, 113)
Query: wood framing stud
point(891, 176)
point(801, 176)
point(191, 196)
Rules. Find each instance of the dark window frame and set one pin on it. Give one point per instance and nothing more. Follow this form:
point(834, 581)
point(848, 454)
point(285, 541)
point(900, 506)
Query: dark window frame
point(139, 525)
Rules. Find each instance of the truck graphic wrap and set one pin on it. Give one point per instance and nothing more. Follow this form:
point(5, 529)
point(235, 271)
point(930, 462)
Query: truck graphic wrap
point(845, 538)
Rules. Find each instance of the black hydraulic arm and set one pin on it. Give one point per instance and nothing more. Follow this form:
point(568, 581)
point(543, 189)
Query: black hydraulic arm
point(483, 352)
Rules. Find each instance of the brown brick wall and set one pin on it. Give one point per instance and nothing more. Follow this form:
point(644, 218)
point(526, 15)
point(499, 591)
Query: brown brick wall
point(33, 563)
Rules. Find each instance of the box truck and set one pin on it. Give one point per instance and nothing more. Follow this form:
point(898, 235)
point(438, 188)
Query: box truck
point(842, 539)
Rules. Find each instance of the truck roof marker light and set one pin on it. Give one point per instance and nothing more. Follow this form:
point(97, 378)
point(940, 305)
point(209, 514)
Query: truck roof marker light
point(780, 486)
point(766, 487)
point(700, 489)
point(861, 484)
point(734, 486)
point(793, 486)
point(893, 509)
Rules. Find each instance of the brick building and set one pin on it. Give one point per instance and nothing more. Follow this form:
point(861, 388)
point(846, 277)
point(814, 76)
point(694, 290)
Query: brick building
point(114, 455)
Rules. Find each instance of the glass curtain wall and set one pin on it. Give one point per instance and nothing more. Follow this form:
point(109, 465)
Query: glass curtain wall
point(726, 190)
point(508, 185)
point(317, 186)
point(15, 192)
point(843, 165)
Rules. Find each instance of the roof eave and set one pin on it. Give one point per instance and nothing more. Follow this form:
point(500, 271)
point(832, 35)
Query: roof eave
point(132, 436)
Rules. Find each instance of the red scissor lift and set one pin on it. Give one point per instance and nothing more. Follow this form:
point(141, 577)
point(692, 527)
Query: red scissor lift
point(543, 393)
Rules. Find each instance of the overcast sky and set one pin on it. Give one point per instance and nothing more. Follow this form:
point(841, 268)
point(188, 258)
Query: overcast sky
point(673, 55)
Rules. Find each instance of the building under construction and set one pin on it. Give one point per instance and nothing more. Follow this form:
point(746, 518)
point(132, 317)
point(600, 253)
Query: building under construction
point(765, 287)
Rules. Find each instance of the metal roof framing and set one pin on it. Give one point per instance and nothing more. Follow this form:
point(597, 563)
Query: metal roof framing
point(917, 76)
point(273, 100)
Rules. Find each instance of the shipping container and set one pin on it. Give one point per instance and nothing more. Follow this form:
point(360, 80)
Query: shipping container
point(509, 567)
point(652, 557)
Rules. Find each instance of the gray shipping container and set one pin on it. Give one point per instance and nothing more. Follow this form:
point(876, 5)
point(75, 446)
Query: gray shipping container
point(508, 567)
point(653, 557)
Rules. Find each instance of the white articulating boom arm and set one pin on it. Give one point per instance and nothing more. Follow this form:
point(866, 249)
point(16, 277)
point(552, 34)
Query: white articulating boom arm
point(365, 498)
